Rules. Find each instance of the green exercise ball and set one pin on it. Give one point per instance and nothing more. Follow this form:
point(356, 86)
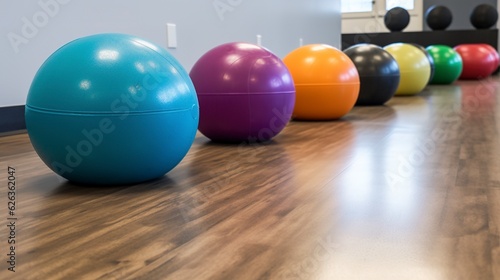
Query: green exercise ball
point(447, 64)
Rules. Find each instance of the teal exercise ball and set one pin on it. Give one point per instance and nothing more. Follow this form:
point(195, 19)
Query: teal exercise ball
point(111, 109)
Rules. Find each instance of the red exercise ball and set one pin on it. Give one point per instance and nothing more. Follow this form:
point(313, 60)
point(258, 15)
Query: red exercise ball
point(495, 54)
point(478, 61)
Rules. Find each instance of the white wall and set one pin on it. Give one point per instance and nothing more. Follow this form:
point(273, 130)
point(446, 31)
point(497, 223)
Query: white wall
point(200, 26)
point(375, 22)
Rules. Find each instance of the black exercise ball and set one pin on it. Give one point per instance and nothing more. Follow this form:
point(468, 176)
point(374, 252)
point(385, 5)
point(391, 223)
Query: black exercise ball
point(484, 16)
point(378, 73)
point(397, 19)
point(430, 58)
point(438, 17)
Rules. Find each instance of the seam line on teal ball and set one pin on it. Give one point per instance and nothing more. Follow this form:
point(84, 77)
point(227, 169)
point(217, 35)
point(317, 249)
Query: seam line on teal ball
point(117, 113)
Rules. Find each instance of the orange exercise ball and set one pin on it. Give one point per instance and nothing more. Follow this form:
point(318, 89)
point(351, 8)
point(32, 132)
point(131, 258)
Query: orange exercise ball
point(326, 82)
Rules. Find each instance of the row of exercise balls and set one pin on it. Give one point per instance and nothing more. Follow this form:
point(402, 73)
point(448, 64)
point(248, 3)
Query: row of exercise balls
point(114, 109)
point(242, 87)
point(240, 84)
point(328, 83)
point(440, 17)
point(465, 61)
point(400, 69)
point(406, 69)
point(125, 111)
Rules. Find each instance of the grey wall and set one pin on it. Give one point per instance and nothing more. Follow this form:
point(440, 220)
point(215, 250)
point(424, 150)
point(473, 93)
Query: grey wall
point(200, 26)
point(461, 10)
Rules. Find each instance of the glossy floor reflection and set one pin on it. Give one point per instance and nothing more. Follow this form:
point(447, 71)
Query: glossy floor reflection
point(410, 190)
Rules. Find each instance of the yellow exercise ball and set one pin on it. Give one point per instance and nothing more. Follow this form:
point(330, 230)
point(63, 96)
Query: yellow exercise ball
point(414, 67)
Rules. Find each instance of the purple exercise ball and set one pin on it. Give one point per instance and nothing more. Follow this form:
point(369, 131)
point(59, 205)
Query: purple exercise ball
point(245, 92)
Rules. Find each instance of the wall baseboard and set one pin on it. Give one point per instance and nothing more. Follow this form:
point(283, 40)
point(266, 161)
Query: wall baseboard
point(12, 118)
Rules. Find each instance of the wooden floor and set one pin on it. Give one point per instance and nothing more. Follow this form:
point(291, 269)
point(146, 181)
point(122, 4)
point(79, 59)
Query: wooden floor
point(410, 190)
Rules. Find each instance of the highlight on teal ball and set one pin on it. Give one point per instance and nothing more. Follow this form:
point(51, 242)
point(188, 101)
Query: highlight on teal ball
point(111, 109)
point(448, 64)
